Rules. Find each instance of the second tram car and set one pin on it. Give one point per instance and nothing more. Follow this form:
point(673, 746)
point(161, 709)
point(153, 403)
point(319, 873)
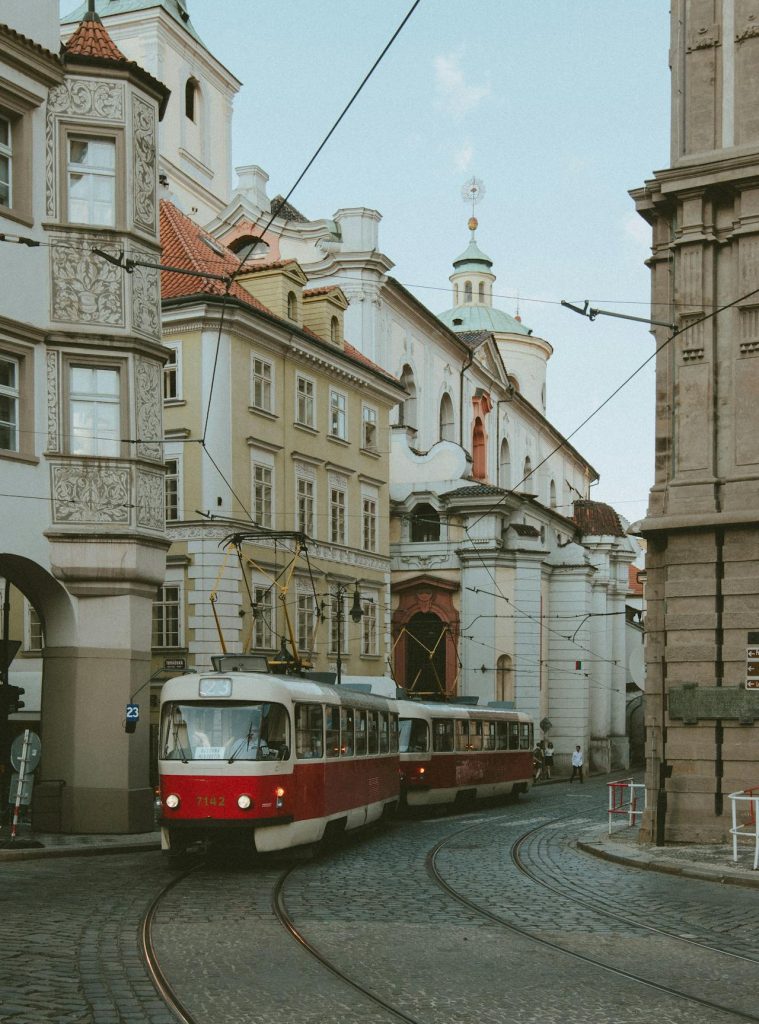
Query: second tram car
point(280, 761)
point(453, 751)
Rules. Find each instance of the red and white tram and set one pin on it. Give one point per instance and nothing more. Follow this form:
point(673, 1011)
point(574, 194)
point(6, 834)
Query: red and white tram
point(278, 760)
point(456, 751)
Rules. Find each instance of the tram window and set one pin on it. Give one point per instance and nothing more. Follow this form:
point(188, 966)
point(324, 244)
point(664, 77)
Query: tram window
point(384, 733)
point(332, 730)
point(488, 735)
point(525, 737)
point(346, 732)
point(415, 736)
point(393, 733)
point(442, 736)
point(360, 722)
point(502, 732)
point(462, 734)
point(513, 735)
point(227, 732)
point(373, 732)
point(309, 730)
point(475, 735)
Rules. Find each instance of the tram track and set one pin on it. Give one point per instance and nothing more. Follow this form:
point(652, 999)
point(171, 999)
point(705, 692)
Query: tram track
point(555, 947)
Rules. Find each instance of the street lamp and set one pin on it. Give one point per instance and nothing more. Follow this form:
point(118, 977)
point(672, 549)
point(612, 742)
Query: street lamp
point(356, 613)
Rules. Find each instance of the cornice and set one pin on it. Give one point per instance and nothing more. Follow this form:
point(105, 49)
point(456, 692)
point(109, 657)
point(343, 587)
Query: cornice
point(29, 57)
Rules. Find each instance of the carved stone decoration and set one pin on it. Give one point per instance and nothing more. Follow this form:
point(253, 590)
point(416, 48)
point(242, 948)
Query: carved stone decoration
point(90, 493)
point(85, 289)
point(82, 98)
point(51, 372)
point(703, 37)
point(150, 500)
point(146, 300)
point(149, 407)
point(749, 31)
point(144, 136)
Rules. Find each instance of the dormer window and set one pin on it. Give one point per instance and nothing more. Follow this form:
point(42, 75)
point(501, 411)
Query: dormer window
point(191, 91)
point(292, 306)
point(334, 330)
point(467, 291)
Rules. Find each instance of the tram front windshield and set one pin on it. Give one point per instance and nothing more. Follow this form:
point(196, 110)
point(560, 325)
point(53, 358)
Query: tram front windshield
point(230, 731)
point(413, 736)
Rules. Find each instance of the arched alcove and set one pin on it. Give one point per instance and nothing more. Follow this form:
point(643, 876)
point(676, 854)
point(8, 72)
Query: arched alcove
point(407, 411)
point(479, 451)
point(504, 465)
point(504, 678)
point(425, 523)
point(447, 424)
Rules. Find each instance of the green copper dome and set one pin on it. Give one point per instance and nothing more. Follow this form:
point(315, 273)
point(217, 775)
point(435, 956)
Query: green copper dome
point(176, 8)
point(476, 317)
point(473, 258)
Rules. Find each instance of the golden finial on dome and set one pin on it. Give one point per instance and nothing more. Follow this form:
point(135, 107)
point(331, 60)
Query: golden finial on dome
point(472, 223)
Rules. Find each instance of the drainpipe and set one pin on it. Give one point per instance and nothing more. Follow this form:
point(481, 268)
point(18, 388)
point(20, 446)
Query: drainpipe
point(464, 368)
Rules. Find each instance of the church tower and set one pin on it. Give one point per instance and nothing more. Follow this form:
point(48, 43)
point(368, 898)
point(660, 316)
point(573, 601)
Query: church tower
point(195, 145)
point(702, 527)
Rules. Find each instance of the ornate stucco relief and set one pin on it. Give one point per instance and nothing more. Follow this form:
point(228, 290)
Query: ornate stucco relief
point(85, 289)
point(149, 407)
point(84, 99)
point(144, 141)
point(150, 500)
point(145, 297)
point(53, 402)
point(84, 493)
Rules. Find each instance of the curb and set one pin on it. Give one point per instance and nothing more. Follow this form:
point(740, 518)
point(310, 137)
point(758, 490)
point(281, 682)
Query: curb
point(77, 851)
point(684, 871)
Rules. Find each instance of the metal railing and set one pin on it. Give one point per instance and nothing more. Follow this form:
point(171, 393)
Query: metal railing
point(747, 801)
point(624, 800)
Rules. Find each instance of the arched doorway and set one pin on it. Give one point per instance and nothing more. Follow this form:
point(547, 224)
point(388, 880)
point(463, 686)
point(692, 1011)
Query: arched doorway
point(425, 636)
point(425, 656)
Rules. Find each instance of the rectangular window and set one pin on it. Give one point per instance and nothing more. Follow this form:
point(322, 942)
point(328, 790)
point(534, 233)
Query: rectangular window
point(9, 403)
point(360, 723)
point(264, 625)
point(35, 639)
point(166, 617)
point(171, 484)
point(305, 506)
point(442, 735)
point(373, 744)
point(263, 488)
point(346, 732)
point(95, 411)
point(394, 733)
point(475, 735)
point(262, 385)
point(337, 643)
point(6, 162)
point(525, 736)
point(513, 735)
point(369, 627)
point(309, 731)
point(337, 420)
point(462, 734)
point(369, 428)
point(91, 180)
point(369, 523)
point(488, 735)
point(384, 734)
point(337, 515)
point(304, 405)
point(172, 389)
point(332, 730)
point(304, 622)
point(502, 733)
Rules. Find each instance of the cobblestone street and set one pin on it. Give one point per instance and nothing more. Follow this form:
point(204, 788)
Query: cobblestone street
point(538, 916)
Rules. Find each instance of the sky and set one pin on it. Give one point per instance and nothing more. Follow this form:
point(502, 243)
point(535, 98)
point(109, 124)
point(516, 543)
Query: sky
point(559, 106)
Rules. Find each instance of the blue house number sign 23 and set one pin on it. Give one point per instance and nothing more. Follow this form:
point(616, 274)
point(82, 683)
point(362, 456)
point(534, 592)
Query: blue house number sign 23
point(133, 712)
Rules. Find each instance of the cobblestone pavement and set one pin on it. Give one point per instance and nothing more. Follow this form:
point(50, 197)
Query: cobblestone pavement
point(71, 955)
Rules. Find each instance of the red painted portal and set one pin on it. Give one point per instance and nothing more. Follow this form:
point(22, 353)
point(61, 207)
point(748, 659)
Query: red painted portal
point(425, 634)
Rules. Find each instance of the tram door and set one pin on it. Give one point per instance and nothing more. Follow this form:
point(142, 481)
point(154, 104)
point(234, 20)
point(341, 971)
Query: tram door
point(426, 636)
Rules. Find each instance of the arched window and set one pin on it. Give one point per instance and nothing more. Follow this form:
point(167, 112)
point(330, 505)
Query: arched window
point(334, 330)
point(425, 523)
point(191, 91)
point(467, 291)
point(479, 452)
point(292, 306)
point(407, 411)
point(552, 494)
point(481, 292)
point(504, 678)
point(447, 432)
point(248, 247)
point(504, 465)
point(527, 482)
point(455, 295)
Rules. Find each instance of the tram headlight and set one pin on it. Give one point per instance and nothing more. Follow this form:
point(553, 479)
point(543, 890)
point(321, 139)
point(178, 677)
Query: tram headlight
point(279, 793)
point(244, 802)
point(172, 801)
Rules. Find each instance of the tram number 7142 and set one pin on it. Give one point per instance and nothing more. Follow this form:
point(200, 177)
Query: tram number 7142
point(209, 801)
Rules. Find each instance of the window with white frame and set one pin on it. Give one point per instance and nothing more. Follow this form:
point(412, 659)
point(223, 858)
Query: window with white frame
point(95, 411)
point(34, 638)
point(263, 493)
point(369, 428)
point(172, 489)
point(167, 616)
point(337, 417)
point(305, 619)
point(262, 378)
point(369, 519)
point(91, 180)
point(9, 402)
point(6, 162)
point(337, 513)
point(369, 633)
point(305, 489)
point(264, 624)
point(304, 401)
point(172, 375)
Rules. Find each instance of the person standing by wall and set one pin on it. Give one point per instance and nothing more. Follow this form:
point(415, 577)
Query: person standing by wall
point(548, 760)
point(577, 763)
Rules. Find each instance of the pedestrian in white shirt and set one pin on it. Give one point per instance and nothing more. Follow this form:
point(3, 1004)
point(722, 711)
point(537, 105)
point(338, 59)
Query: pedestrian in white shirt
point(577, 763)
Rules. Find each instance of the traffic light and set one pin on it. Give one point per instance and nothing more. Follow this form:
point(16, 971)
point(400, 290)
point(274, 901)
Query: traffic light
point(10, 700)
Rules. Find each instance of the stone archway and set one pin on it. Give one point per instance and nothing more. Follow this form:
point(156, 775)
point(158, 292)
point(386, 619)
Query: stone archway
point(425, 634)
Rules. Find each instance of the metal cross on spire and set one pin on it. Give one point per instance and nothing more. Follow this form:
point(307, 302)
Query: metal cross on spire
point(473, 191)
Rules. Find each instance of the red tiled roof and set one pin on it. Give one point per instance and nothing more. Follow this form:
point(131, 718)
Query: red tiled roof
point(254, 266)
point(634, 586)
point(594, 519)
point(91, 39)
point(320, 291)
